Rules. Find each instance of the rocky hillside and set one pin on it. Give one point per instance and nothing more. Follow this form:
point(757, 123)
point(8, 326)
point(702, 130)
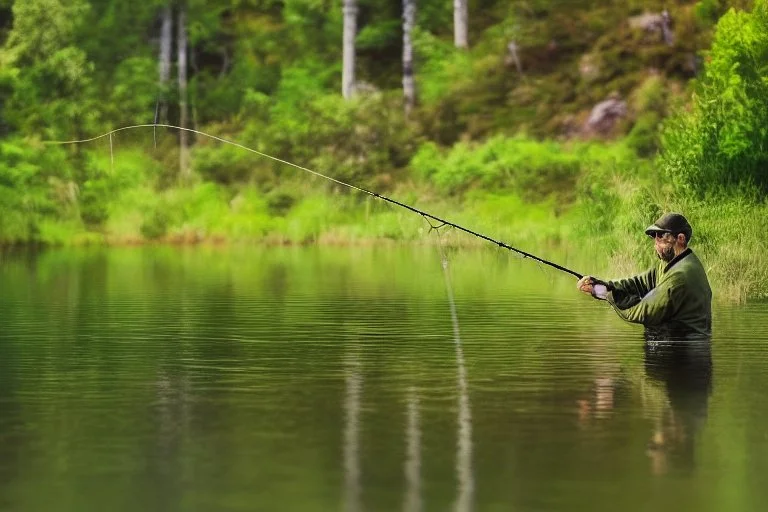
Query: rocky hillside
point(574, 70)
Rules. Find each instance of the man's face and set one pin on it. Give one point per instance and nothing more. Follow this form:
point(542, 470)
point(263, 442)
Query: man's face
point(664, 243)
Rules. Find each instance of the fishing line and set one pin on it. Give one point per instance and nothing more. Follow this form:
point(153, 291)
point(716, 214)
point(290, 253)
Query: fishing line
point(424, 214)
point(464, 473)
point(111, 156)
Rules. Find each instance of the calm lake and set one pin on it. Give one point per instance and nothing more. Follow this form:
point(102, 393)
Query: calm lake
point(306, 379)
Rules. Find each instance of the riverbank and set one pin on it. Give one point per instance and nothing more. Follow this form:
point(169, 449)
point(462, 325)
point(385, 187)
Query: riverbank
point(604, 230)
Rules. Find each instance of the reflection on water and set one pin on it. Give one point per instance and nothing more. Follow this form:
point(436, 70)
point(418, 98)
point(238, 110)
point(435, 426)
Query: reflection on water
point(313, 380)
point(412, 466)
point(685, 369)
point(464, 421)
point(683, 372)
point(354, 385)
point(464, 444)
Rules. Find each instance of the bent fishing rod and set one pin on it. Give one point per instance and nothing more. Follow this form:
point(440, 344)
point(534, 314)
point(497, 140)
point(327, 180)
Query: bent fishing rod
point(426, 215)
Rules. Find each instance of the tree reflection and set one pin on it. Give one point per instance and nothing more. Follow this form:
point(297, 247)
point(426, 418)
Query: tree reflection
point(464, 473)
point(412, 465)
point(354, 389)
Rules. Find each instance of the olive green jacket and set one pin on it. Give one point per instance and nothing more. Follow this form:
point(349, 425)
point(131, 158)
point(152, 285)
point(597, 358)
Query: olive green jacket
point(674, 299)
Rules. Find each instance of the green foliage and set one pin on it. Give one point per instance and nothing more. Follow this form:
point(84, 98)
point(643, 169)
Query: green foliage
point(95, 195)
point(133, 92)
point(650, 95)
point(47, 72)
point(377, 36)
point(643, 138)
point(280, 202)
point(106, 177)
point(41, 28)
point(534, 169)
point(26, 199)
point(709, 11)
point(352, 141)
point(226, 164)
point(649, 103)
point(155, 224)
point(723, 141)
point(441, 67)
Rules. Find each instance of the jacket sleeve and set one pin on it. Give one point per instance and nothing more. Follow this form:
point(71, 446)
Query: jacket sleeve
point(656, 307)
point(638, 285)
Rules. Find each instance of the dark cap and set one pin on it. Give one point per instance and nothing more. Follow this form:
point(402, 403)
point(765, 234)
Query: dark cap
point(671, 223)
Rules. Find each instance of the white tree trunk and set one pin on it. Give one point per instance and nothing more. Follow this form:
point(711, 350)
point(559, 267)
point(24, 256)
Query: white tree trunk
point(181, 44)
point(164, 63)
point(348, 51)
point(409, 82)
point(460, 17)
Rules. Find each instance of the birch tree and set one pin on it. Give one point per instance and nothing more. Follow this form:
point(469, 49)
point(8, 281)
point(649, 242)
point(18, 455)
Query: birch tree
point(348, 50)
point(409, 82)
point(460, 17)
point(181, 49)
point(164, 62)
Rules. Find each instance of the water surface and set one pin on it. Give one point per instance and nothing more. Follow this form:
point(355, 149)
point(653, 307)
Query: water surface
point(333, 379)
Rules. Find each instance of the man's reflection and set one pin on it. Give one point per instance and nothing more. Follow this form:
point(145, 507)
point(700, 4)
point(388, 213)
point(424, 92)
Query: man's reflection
point(685, 369)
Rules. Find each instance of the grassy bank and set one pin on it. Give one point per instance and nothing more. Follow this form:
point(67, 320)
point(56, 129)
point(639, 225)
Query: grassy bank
point(596, 213)
point(587, 199)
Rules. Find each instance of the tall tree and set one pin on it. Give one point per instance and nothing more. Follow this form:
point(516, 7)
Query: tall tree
point(45, 70)
point(181, 49)
point(409, 82)
point(348, 50)
point(460, 17)
point(164, 61)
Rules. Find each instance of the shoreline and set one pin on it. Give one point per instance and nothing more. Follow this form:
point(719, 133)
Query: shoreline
point(618, 263)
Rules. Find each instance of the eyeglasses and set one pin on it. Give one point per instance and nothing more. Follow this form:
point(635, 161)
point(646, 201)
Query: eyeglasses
point(659, 234)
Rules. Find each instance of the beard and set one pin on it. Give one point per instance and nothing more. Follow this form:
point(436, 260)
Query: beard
point(666, 254)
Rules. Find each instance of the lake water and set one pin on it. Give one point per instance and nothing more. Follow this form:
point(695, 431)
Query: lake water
point(305, 379)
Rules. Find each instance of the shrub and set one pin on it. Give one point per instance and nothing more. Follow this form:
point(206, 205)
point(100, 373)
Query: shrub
point(534, 169)
point(227, 164)
point(107, 176)
point(26, 199)
point(350, 140)
point(723, 140)
point(155, 224)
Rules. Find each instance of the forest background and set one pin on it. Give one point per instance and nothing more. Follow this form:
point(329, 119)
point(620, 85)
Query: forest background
point(553, 125)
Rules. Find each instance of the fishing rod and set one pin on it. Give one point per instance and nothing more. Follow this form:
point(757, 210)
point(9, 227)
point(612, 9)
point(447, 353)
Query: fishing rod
point(424, 214)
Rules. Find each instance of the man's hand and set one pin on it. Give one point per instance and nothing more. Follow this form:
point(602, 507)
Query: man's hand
point(586, 284)
point(594, 287)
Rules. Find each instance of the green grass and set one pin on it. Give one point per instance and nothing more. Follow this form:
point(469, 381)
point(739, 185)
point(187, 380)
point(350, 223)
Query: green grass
point(589, 201)
point(727, 231)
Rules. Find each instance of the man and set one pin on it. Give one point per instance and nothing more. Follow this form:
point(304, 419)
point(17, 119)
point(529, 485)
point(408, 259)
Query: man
point(672, 300)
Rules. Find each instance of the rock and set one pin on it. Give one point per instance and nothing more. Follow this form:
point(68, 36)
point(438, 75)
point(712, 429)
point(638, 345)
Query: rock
point(654, 23)
point(650, 22)
point(604, 116)
point(589, 67)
